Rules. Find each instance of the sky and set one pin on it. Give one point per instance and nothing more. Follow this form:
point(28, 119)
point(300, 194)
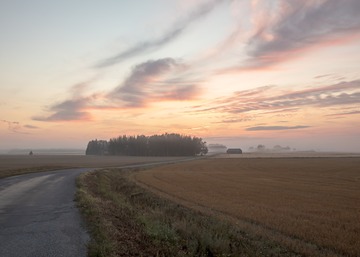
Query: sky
point(236, 72)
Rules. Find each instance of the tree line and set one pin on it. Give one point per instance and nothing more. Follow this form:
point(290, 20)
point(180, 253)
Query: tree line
point(155, 145)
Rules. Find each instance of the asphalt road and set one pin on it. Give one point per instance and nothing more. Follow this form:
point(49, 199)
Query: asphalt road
point(38, 216)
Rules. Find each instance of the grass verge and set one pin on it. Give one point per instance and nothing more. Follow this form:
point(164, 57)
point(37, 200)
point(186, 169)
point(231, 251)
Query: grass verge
point(126, 220)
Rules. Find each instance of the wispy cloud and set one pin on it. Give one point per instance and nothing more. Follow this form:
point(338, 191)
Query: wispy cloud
point(148, 82)
point(30, 126)
point(297, 25)
point(323, 76)
point(68, 110)
point(262, 128)
point(13, 126)
point(236, 120)
point(145, 83)
point(171, 34)
point(74, 108)
point(289, 26)
point(16, 127)
point(272, 99)
point(345, 113)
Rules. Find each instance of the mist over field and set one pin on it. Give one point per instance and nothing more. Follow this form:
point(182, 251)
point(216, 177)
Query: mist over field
point(339, 144)
point(344, 144)
point(43, 151)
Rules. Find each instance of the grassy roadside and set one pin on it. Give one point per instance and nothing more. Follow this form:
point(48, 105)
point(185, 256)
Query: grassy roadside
point(127, 220)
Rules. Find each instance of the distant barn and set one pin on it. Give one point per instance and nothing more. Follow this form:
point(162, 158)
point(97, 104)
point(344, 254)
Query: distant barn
point(234, 151)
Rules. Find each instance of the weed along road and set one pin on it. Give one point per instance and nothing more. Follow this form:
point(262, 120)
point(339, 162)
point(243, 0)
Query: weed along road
point(38, 215)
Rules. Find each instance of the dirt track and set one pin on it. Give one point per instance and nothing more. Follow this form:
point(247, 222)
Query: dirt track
point(311, 205)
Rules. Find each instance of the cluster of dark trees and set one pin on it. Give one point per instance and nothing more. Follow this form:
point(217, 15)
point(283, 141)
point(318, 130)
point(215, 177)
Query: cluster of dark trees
point(156, 145)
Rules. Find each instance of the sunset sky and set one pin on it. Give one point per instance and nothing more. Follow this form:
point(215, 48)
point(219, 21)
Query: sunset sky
point(241, 72)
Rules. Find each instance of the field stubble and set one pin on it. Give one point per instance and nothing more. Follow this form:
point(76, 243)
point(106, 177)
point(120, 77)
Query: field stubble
point(309, 205)
point(125, 219)
point(11, 165)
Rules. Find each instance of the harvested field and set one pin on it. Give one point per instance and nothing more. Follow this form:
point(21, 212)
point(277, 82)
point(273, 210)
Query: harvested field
point(270, 154)
point(125, 219)
point(21, 164)
point(309, 205)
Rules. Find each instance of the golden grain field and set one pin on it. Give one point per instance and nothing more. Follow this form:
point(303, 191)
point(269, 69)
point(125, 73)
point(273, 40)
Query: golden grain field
point(309, 205)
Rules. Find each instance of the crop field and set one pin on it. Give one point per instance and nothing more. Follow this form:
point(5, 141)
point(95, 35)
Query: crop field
point(310, 206)
point(21, 164)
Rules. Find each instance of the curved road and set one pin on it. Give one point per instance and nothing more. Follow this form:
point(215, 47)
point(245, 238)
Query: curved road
point(38, 216)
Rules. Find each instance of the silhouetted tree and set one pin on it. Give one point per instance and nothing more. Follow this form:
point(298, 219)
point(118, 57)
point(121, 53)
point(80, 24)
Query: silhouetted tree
point(261, 148)
point(97, 147)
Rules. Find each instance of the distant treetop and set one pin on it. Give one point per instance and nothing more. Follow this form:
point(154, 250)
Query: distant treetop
point(217, 146)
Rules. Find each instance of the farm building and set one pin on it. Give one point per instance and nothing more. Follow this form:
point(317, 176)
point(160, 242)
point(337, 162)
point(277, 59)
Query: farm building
point(234, 151)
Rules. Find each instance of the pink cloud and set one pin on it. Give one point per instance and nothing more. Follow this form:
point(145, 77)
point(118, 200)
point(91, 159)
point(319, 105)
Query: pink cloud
point(285, 30)
point(148, 82)
point(272, 99)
